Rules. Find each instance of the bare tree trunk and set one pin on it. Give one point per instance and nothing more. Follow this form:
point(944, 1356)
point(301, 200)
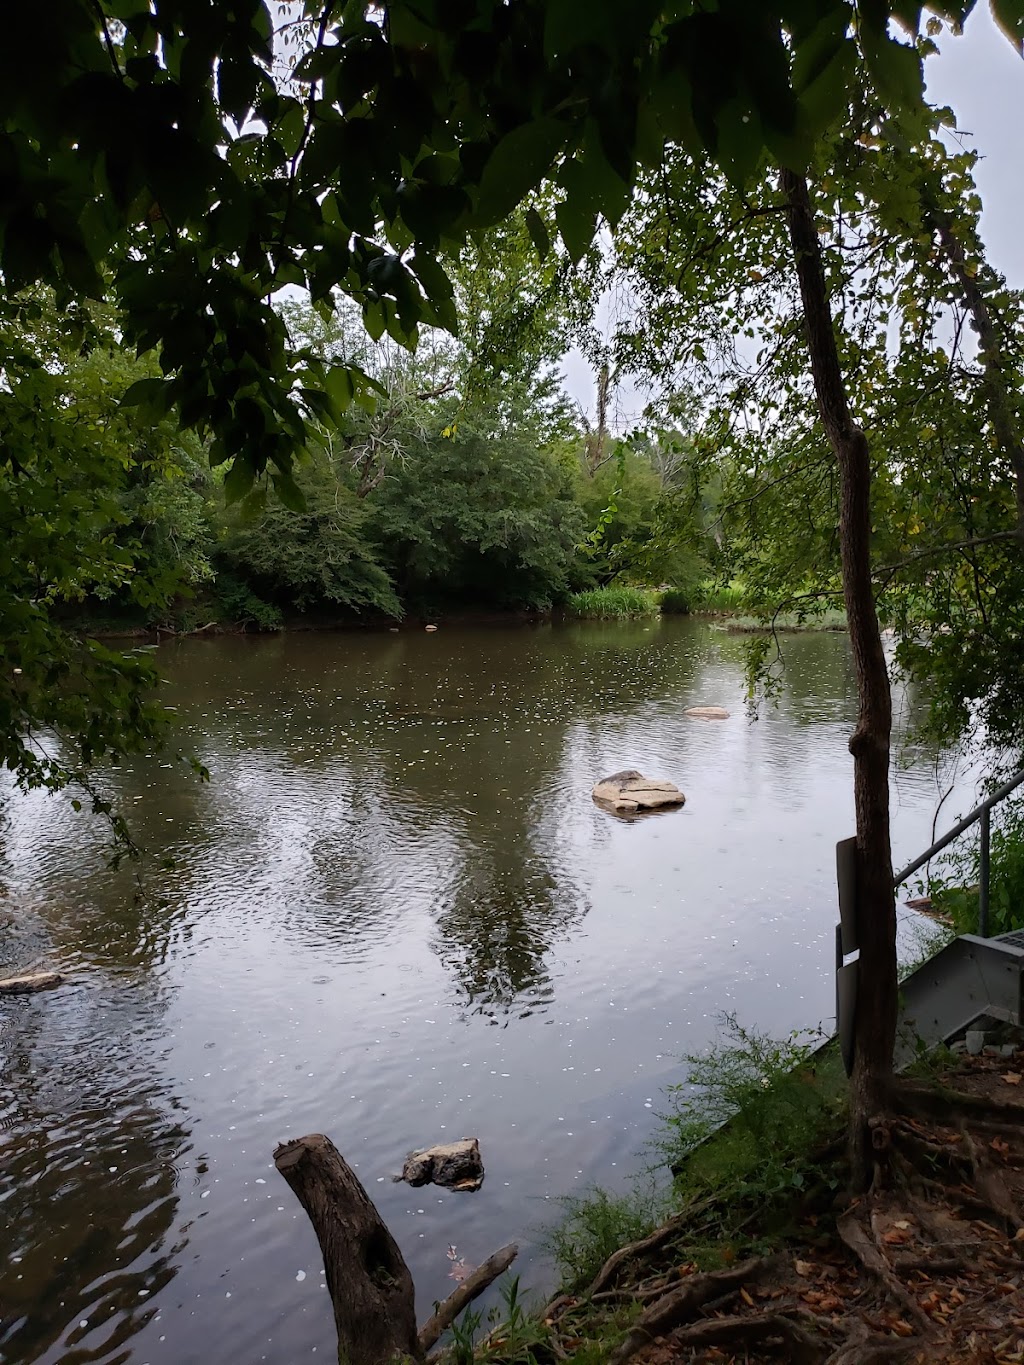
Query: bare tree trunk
point(369, 1283)
point(877, 986)
point(596, 440)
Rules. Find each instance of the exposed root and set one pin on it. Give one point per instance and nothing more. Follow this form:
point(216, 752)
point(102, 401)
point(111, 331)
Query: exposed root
point(991, 1185)
point(945, 1105)
point(675, 1307)
point(771, 1332)
point(637, 1250)
point(864, 1348)
point(853, 1234)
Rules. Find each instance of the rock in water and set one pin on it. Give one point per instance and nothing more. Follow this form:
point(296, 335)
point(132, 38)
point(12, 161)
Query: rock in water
point(708, 712)
point(454, 1165)
point(630, 791)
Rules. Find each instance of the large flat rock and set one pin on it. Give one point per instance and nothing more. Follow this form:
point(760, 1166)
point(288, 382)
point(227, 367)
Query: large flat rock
point(630, 791)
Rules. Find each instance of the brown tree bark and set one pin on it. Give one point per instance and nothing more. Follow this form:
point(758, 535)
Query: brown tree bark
point(369, 1283)
point(877, 986)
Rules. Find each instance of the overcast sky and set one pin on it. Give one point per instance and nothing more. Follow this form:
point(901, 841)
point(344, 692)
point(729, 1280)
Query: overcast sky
point(981, 77)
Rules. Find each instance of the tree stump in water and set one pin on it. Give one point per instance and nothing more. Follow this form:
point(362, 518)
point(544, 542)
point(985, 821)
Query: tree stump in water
point(369, 1283)
point(453, 1165)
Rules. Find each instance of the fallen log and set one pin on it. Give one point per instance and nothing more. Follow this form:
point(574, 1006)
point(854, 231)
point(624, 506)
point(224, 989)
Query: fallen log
point(367, 1278)
point(471, 1287)
point(27, 984)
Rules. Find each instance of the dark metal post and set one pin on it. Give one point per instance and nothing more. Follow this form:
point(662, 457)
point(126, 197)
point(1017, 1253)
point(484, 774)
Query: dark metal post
point(983, 873)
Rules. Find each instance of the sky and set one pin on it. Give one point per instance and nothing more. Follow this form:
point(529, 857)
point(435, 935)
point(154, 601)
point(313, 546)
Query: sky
point(981, 77)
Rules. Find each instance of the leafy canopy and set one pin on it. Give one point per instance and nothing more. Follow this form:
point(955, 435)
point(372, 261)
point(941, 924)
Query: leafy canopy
point(189, 160)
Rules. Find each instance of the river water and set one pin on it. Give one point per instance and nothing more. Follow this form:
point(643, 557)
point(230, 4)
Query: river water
point(395, 916)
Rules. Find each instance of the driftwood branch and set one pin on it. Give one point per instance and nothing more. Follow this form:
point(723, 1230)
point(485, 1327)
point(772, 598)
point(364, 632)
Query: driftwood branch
point(471, 1287)
point(27, 984)
point(369, 1283)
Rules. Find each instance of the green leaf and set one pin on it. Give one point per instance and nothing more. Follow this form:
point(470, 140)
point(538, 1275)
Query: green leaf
point(238, 480)
point(289, 492)
point(339, 385)
point(517, 165)
point(539, 235)
point(576, 223)
point(1009, 15)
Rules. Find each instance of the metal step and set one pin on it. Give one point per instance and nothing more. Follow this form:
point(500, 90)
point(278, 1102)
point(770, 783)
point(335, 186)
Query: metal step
point(970, 977)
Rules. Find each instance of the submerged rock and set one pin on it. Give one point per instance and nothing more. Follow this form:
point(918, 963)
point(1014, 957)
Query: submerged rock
point(708, 712)
point(454, 1165)
point(630, 791)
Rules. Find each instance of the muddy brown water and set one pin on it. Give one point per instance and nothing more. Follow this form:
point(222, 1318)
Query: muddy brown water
point(396, 916)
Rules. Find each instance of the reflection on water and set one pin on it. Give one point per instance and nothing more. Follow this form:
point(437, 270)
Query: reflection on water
point(394, 915)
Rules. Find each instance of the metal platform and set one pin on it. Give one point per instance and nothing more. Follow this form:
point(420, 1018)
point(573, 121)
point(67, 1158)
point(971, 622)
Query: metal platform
point(968, 978)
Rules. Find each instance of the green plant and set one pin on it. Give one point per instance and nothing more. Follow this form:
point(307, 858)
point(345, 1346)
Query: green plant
point(714, 597)
point(676, 602)
point(767, 1103)
point(464, 1331)
point(955, 891)
point(614, 601)
point(240, 605)
point(597, 1223)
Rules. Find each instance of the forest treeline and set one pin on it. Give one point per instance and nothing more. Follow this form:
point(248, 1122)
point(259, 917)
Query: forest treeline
point(435, 495)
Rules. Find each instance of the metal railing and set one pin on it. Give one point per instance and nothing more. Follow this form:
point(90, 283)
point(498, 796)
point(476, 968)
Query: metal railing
point(981, 812)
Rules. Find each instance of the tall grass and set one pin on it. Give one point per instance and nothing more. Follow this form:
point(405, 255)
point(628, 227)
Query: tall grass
point(602, 603)
point(712, 596)
point(597, 1223)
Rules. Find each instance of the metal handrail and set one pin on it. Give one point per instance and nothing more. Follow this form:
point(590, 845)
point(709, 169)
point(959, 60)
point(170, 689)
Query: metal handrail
point(981, 812)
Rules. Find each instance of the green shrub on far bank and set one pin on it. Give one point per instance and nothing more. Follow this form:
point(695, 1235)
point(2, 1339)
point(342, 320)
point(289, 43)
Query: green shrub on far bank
point(601, 603)
point(714, 597)
point(676, 602)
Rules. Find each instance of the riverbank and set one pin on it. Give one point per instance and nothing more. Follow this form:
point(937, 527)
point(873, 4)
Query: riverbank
point(765, 1258)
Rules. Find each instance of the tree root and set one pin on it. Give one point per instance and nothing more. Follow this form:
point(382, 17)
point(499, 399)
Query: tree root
point(991, 1185)
point(854, 1236)
point(939, 1103)
point(673, 1308)
point(794, 1343)
point(637, 1250)
point(862, 1347)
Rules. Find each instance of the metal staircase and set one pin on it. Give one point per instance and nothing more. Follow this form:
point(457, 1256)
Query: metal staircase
point(972, 976)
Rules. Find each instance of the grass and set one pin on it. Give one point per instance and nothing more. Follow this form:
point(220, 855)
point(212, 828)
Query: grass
point(831, 619)
point(597, 1223)
point(720, 597)
point(622, 602)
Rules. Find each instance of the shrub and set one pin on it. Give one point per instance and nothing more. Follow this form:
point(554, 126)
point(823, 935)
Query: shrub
point(602, 603)
point(766, 1106)
point(676, 602)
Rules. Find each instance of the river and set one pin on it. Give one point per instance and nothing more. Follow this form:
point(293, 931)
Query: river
point(395, 915)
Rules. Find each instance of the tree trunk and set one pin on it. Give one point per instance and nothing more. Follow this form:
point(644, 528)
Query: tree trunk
point(877, 986)
point(369, 1283)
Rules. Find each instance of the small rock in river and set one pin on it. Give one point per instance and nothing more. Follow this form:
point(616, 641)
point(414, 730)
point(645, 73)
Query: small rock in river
point(454, 1165)
point(629, 791)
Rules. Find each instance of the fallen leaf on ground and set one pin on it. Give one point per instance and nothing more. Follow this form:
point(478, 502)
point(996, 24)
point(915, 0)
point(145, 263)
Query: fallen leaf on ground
point(998, 1145)
point(1012, 1078)
point(804, 1268)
